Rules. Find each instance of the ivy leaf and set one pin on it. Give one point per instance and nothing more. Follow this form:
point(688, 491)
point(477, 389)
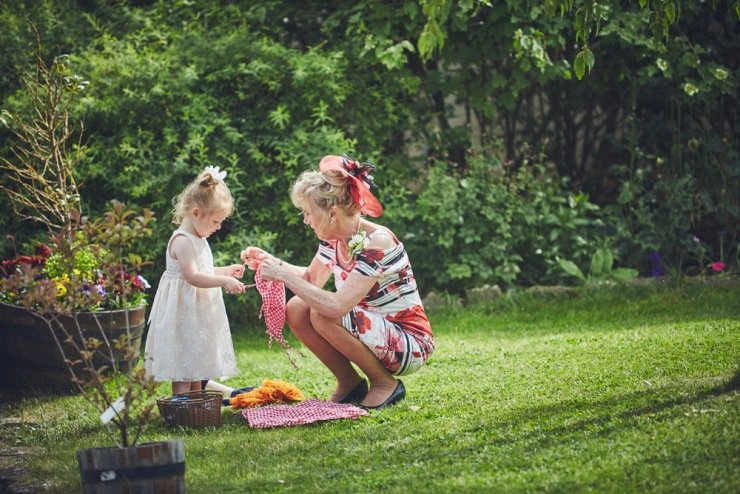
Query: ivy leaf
point(459, 271)
point(670, 12)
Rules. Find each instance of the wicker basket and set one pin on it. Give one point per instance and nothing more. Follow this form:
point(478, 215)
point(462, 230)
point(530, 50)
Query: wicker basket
point(200, 409)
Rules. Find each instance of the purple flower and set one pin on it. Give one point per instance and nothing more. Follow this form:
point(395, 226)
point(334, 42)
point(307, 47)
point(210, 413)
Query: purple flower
point(656, 265)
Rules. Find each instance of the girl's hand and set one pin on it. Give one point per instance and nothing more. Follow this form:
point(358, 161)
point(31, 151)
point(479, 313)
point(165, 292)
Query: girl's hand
point(233, 285)
point(236, 270)
point(253, 256)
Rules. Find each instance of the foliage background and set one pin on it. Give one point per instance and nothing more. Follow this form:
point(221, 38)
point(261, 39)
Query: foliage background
point(495, 161)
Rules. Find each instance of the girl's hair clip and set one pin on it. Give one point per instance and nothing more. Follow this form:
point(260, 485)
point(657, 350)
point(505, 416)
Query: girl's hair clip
point(214, 172)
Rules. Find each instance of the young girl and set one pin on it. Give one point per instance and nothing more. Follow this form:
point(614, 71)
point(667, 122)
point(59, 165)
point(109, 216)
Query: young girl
point(189, 339)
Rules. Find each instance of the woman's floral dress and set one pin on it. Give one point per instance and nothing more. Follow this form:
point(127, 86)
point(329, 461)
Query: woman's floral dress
point(390, 320)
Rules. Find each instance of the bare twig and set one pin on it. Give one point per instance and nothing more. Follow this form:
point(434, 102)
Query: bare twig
point(41, 167)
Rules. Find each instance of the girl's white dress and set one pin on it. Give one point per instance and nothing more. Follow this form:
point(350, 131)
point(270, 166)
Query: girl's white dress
point(189, 337)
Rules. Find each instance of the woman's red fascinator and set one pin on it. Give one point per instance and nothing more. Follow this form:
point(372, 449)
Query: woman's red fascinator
point(359, 180)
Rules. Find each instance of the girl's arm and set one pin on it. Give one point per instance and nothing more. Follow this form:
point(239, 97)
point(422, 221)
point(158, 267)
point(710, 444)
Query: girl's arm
point(234, 270)
point(182, 251)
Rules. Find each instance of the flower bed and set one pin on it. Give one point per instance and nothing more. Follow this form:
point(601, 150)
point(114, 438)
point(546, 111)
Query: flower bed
point(80, 279)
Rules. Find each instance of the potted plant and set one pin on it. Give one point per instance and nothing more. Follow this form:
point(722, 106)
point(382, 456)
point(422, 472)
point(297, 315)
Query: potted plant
point(84, 288)
point(76, 307)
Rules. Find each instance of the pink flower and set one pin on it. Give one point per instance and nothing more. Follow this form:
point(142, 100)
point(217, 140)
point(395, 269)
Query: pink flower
point(718, 266)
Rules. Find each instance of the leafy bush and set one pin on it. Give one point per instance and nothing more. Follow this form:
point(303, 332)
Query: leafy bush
point(197, 95)
point(655, 213)
point(494, 223)
point(176, 86)
point(601, 269)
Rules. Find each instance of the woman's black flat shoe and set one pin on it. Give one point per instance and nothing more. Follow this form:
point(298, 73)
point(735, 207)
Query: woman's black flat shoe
point(357, 394)
point(239, 391)
point(227, 401)
point(398, 394)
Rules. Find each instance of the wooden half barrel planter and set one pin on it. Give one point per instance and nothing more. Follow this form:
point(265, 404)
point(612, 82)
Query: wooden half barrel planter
point(30, 357)
point(150, 468)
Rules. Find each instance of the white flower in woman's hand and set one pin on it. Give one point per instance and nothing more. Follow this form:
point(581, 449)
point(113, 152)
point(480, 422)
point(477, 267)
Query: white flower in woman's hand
point(357, 243)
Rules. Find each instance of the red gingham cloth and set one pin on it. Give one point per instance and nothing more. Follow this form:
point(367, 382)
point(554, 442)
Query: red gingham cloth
point(273, 311)
point(273, 306)
point(306, 412)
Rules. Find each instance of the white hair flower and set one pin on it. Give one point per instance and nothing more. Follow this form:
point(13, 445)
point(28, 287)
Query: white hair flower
point(215, 173)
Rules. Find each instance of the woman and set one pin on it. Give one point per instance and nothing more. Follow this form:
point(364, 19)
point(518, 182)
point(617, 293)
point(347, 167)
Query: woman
point(375, 318)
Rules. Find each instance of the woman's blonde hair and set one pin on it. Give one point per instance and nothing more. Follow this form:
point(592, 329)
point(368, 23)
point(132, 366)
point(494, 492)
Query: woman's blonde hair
point(206, 193)
point(325, 189)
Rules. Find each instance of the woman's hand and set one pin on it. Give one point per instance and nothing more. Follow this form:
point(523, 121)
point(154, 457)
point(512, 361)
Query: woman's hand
point(253, 256)
point(271, 269)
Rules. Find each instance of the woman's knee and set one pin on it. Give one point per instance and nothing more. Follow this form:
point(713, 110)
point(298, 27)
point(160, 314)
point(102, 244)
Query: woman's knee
point(322, 324)
point(296, 313)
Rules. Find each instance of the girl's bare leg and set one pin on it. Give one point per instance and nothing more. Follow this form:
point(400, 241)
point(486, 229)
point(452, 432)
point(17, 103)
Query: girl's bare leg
point(179, 387)
point(299, 321)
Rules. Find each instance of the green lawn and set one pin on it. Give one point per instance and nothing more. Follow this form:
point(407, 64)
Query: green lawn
point(627, 390)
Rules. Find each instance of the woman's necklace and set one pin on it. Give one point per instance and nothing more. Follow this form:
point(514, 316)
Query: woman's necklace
point(355, 245)
point(345, 259)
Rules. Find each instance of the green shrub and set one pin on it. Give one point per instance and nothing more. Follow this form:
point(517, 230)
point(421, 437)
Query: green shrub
point(494, 223)
point(656, 212)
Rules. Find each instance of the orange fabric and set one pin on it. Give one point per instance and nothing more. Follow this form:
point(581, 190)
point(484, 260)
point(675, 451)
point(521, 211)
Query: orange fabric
point(277, 392)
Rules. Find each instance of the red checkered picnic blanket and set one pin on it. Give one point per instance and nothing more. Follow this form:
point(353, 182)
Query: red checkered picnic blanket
point(306, 412)
point(273, 311)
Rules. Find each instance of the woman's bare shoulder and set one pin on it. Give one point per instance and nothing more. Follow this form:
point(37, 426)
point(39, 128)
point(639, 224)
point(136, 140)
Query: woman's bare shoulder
point(382, 238)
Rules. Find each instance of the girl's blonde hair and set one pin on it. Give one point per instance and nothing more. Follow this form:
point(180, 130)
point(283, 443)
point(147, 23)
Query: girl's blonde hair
point(325, 189)
point(206, 193)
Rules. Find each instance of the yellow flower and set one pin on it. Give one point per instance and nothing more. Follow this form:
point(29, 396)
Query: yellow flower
point(60, 281)
point(61, 289)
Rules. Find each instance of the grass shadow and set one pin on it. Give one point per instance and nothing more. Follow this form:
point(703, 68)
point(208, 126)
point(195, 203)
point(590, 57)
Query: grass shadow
point(632, 406)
